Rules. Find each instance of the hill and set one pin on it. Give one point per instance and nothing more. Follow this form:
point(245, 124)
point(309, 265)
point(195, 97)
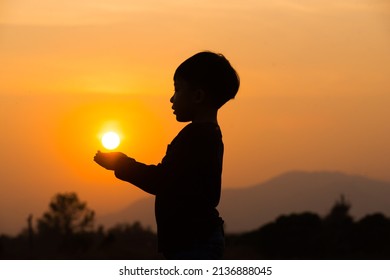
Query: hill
point(248, 208)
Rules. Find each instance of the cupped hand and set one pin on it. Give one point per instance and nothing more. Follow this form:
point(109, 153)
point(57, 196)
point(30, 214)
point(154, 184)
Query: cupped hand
point(111, 160)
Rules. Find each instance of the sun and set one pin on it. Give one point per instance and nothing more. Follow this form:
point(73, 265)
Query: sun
point(111, 140)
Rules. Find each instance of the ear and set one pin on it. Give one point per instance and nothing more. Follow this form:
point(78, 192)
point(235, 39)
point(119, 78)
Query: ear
point(199, 96)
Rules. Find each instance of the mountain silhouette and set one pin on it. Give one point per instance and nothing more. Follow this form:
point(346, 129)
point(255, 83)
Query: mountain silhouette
point(249, 208)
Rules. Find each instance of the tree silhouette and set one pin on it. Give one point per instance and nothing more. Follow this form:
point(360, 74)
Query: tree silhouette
point(309, 236)
point(66, 231)
point(339, 214)
point(66, 215)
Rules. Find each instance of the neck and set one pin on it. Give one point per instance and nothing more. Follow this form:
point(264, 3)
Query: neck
point(209, 116)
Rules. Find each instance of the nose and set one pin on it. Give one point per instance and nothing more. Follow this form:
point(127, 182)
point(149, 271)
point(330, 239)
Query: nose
point(172, 98)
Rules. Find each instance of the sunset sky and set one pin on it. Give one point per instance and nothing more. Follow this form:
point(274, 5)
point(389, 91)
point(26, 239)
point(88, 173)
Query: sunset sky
point(315, 91)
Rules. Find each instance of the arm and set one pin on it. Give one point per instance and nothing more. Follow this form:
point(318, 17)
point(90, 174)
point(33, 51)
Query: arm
point(146, 177)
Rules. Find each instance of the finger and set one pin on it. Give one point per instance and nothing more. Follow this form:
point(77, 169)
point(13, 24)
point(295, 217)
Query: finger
point(98, 158)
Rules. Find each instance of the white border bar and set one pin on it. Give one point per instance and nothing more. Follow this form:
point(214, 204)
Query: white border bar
point(227, 269)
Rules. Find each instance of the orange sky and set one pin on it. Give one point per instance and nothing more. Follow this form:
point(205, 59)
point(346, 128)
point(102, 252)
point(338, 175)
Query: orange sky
point(314, 96)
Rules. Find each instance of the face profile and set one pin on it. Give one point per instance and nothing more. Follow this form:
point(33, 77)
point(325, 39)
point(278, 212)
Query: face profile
point(184, 101)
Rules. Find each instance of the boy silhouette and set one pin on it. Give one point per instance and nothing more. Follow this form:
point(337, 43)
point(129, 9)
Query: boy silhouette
point(187, 182)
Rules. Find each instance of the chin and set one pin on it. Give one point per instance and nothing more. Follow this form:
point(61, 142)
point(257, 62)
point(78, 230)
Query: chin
point(181, 119)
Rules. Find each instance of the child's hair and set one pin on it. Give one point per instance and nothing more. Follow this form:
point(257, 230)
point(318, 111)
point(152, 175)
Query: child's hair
point(212, 73)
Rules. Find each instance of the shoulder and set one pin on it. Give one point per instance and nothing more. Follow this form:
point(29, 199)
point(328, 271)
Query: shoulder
point(202, 130)
point(201, 136)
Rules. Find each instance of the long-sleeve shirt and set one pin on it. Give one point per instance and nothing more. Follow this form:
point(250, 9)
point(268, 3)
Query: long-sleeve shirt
point(186, 185)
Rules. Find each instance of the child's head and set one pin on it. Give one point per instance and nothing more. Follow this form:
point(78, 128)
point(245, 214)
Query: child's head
point(211, 73)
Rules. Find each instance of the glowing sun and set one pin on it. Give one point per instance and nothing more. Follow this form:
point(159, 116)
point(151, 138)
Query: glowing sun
point(110, 140)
